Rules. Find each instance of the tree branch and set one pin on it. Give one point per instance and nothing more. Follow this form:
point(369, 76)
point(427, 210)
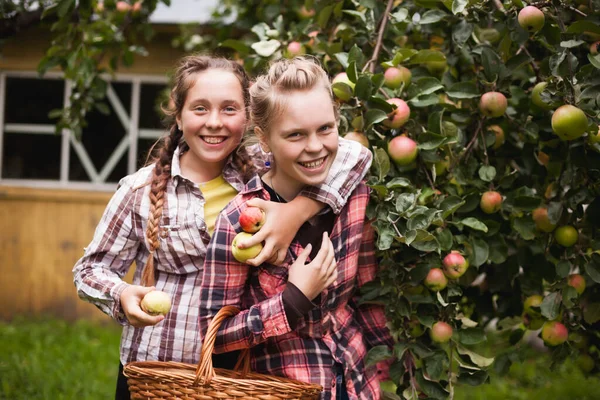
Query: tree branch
point(371, 63)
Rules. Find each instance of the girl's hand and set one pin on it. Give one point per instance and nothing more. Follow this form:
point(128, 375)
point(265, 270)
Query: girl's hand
point(315, 276)
point(131, 298)
point(282, 223)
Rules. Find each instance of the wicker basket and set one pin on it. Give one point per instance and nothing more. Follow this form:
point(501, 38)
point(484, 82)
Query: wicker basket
point(174, 380)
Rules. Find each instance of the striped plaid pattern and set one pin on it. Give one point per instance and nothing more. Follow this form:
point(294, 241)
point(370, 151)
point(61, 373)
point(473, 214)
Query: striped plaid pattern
point(119, 241)
point(337, 331)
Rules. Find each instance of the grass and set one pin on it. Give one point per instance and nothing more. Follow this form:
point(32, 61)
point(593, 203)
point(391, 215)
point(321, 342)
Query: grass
point(55, 360)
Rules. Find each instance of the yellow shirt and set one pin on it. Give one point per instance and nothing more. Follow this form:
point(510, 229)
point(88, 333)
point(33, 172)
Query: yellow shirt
point(217, 194)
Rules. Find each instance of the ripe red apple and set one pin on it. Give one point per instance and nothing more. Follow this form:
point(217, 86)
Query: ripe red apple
point(499, 132)
point(156, 303)
point(402, 150)
point(566, 236)
point(436, 280)
point(295, 49)
point(493, 104)
point(491, 202)
point(554, 333)
point(542, 222)
point(394, 77)
point(536, 97)
point(578, 282)
point(358, 137)
point(455, 265)
point(252, 219)
point(595, 48)
point(123, 7)
point(243, 255)
point(137, 7)
point(531, 19)
point(441, 332)
point(569, 122)
point(343, 93)
point(399, 116)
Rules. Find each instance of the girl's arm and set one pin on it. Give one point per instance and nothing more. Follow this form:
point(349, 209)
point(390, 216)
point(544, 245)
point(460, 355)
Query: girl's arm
point(98, 274)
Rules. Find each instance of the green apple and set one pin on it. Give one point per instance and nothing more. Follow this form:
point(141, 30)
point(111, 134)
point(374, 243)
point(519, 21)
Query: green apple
point(531, 19)
point(156, 303)
point(243, 255)
point(536, 96)
point(569, 122)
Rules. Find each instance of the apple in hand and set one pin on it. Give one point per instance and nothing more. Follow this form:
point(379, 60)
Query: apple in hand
point(531, 19)
point(441, 332)
point(569, 122)
point(493, 104)
point(455, 265)
point(252, 219)
point(243, 255)
point(156, 303)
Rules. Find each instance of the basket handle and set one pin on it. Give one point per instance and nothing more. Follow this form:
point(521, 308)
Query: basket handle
point(205, 370)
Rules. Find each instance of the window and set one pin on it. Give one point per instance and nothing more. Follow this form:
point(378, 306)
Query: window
point(111, 146)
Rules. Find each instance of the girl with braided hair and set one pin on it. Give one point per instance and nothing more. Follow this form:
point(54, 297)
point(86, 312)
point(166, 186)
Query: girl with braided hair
point(162, 216)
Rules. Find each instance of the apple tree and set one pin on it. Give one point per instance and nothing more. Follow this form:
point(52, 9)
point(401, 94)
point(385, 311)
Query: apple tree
point(483, 118)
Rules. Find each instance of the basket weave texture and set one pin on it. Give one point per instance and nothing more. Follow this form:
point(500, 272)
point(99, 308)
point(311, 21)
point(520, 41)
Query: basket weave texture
point(171, 380)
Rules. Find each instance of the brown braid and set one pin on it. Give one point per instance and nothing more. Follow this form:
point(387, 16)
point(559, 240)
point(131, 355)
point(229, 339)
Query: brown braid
point(164, 149)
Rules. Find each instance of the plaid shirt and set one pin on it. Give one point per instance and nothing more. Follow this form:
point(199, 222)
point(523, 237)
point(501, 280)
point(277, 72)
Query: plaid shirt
point(120, 240)
point(337, 330)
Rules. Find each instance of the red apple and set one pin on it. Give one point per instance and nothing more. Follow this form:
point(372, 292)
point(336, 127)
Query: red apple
point(595, 48)
point(493, 104)
point(566, 236)
point(531, 19)
point(304, 13)
point(436, 280)
point(295, 49)
point(358, 137)
point(441, 332)
point(578, 282)
point(252, 219)
point(123, 7)
point(394, 77)
point(455, 265)
point(402, 150)
point(137, 7)
point(399, 116)
point(542, 222)
point(491, 202)
point(554, 333)
point(569, 122)
point(341, 91)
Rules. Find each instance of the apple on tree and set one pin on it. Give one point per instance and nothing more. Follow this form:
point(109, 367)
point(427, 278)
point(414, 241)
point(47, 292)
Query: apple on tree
point(441, 332)
point(491, 202)
point(394, 77)
point(542, 222)
point(343, 87)
point(554, 333)
point(577, 282)
point(493, 104)
point(569, 122)
point(402, 150)
point(532, 318)
point(566, 236)
point(531, 19)
point(358, 137)
point(536, 97)
point(398, 116)
point(436, 280)
point(295, 49)
point(455, 265)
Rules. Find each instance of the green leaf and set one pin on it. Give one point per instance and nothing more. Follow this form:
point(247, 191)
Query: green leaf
point(463, 90)
point(474, 223)
point(425, 56)
point(583, 26)
point(473, 378)
point(450, 205)
point(568, 44)
point(563, 267)
point(430, 141)
point(487, 173)
point(434, 364)
point(444, 238)
point(554, 212)
point(593, 270)
point(491, 64)
point(363, 88)
point(266, 48)
point(373, 116)
point(237, 45)
point(63, 7)
point(458, 6)
point(474, 357)
point(591, 313)
point(400, 15)
point(525, 227)
point(432, 16)
point(424, 86)
point(324, 15)
point(481, 252)
point(381, 162)
point(351, 70)
point(405, 202)
point(551, 305)
point(342, 59)
point(398, 182)
point(594, 60)
point(431, 389)
point(377, 354)
point(462, 32)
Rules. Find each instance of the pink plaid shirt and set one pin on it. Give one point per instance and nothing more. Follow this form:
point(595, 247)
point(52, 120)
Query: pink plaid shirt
point(119, 241)
point(337, 330)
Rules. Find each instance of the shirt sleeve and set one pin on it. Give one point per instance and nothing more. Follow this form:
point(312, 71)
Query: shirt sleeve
point(98, 274)
point(350, 166)
point(223, 282)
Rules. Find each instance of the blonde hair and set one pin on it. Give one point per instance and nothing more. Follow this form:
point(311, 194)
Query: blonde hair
point(268, 93)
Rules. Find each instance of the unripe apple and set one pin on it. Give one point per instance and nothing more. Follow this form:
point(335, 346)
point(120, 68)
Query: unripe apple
point(595, 48)
point(394, 77)
point(491, 202)
point(554, 333)
point(436, 67)
point(455, 265)
point(399, 116)
point(402, 150)
point(532, 319)
point(415, 329)
point(343, 93)
point(493, 104)
point(586, 363)
point(99, 8)
point(252, 219)
point(441, 332)
point(566, 236)
point(569, 122)
point(243, 255)
point(388, 386)
point(123, 7)
point(577, 282)
point(295, 49)
point(358, 137)
point(594, 137)
point(156, 303)
point(531, 19)
point(436, 280)
point(542, 222)
point(441, 167)
point(533, 301)
point(536, 96)
point(499, 132)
